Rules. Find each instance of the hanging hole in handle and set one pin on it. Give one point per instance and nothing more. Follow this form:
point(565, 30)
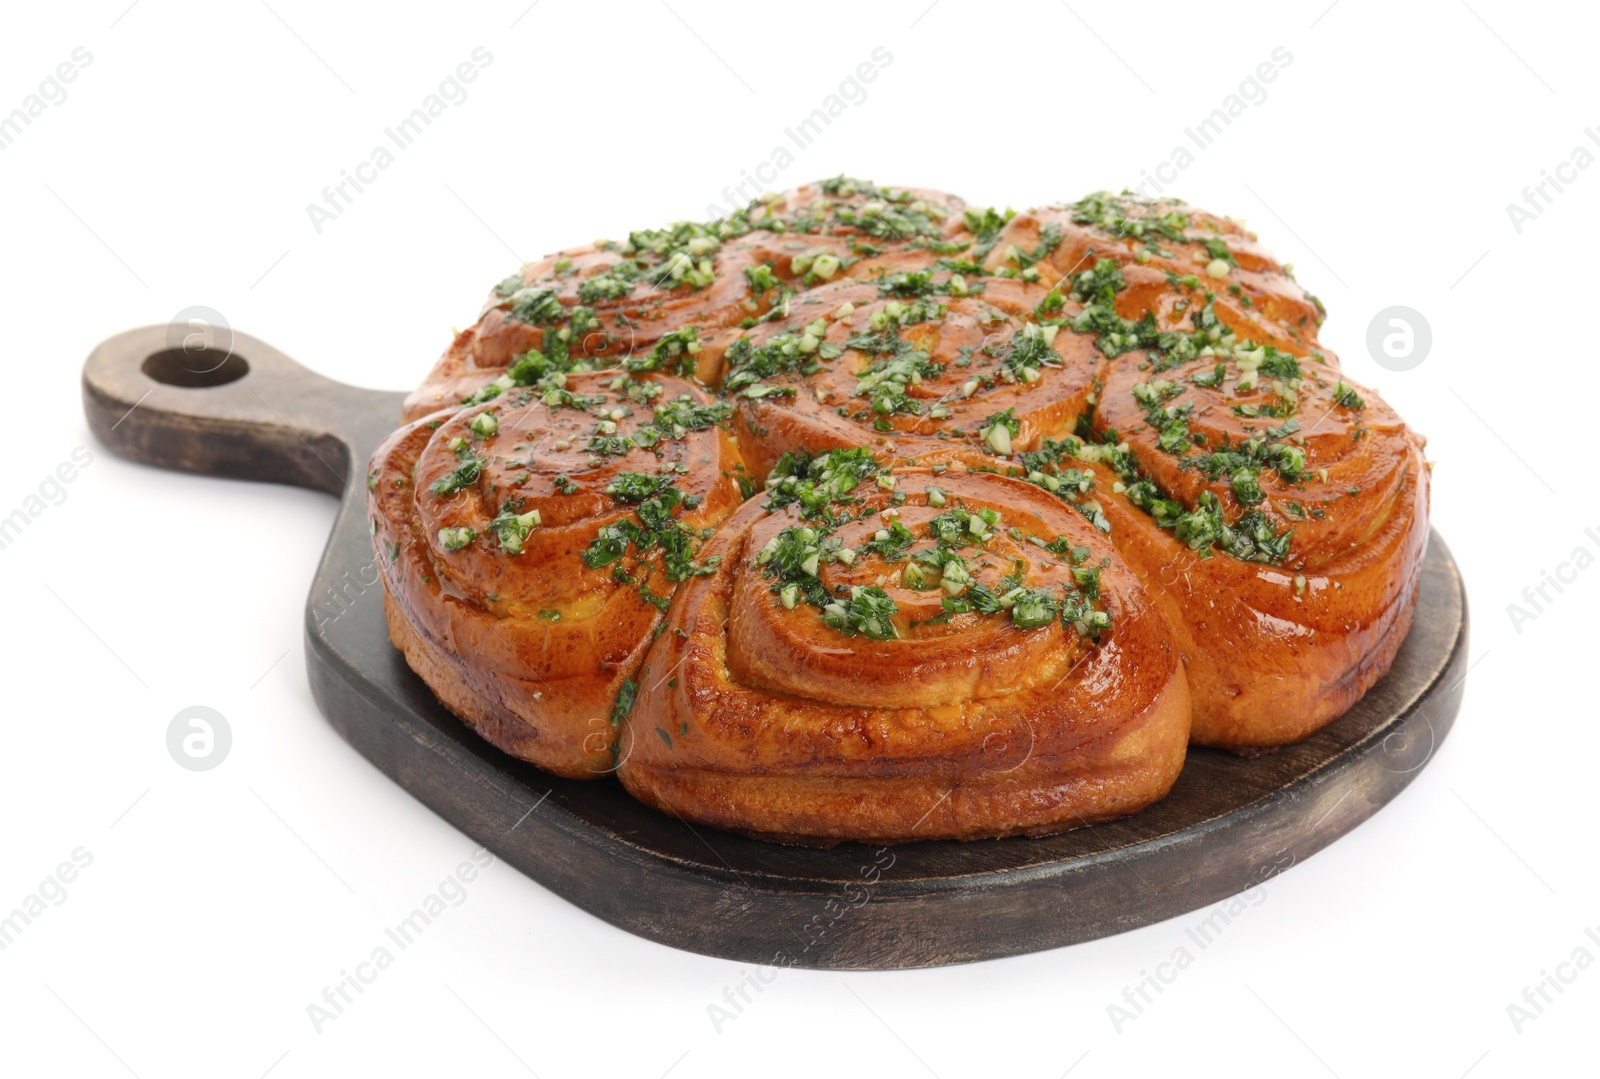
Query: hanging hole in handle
point(193, 370)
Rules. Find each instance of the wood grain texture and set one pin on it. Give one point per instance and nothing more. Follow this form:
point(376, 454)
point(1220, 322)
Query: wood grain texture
point(1228, 824)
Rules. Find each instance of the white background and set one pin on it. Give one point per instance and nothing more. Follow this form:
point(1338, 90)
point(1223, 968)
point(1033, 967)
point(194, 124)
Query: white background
point(219, 904)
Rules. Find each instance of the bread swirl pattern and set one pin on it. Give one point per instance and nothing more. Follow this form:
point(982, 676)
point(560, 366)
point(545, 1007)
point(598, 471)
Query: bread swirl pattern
point(601, 305)
point(1131, 380)
point(955, 656)
point(541, 534)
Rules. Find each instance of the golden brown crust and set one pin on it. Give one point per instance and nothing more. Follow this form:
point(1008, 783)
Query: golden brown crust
point(1274, 654)
point(1164, 236)
point(1143, 377)
point(704, 277)
point(514, 629)
point(1289, 618)
point(968, 350)
point(1219, 387)
point(765, 719)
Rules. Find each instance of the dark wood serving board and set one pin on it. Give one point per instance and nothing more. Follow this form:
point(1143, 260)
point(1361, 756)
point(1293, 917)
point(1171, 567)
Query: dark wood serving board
point(1229, 823)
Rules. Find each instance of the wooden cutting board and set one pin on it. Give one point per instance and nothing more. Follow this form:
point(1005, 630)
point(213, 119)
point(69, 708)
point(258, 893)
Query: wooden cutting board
point(1228, 825)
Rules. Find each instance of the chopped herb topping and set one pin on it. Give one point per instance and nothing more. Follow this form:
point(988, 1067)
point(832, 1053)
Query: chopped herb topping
point(537, 306)
point(453, 539)
point(998, 430)
point(626, 694)
point(748, 363)
point(1032, 607)
point(818, 483)
point(869, 611)
point(760, 277)
point(1111, 214)
point(986, 226)
point(656, 532)
point(612, 284)
point(1344, 395)
point(673, 353)
point(464, 475)
point(512, 528)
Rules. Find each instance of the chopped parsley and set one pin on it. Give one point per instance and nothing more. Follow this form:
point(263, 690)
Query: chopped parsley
point(986, 226)
point(612, 284)
point(870, 610)
point(674, 353)
point(818, 483)
point(656, 533)
point(1346, 396)
point(626, 693)
point(537, 306)
point(464, 475)
point(748, 363)
point(1110, 214)
point(1032, 607)
point(760, 277)
point(512, 528)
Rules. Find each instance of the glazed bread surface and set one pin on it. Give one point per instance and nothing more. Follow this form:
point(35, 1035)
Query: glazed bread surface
point(528, 546)
point(1203, 531)
point(855, 703)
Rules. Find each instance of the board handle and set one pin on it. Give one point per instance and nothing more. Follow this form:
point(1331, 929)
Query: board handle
point(223, 403)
